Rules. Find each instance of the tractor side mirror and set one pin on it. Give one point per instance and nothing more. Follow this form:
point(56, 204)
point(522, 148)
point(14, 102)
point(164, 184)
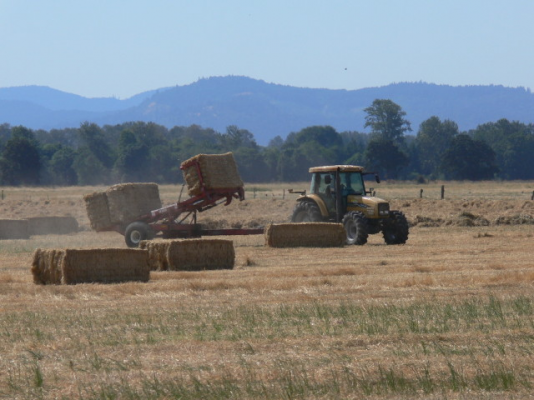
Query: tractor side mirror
point(377, 178)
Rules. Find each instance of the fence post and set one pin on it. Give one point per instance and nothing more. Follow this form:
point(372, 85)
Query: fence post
point(421, 194)
point(531, 197)
point(442, 192)
point(284, 194)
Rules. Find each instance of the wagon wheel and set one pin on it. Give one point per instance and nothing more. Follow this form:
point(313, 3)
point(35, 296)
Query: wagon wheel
point(137, 232)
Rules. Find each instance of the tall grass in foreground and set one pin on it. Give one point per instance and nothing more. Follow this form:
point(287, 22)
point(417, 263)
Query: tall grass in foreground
point(316, 350)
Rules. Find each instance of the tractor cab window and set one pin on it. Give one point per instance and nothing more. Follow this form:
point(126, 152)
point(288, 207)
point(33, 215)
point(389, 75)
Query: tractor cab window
point(351, 183)
point(322, 183)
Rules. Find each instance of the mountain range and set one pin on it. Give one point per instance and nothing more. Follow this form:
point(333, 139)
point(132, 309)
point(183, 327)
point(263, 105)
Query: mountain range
point(265, 109)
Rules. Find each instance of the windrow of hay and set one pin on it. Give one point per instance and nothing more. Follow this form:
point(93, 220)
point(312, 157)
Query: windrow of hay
point(121, 204)
point(218, 171)
point(14, 229)
point(72, 266)
point(190, 254)
point(313, 234)
point(52, 225)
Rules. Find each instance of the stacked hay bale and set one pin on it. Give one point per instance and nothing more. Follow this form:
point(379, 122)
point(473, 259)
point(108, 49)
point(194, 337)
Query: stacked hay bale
point(14, 229)
point(72, 266)
point(190, 254)
point(217, 171)
point(121, 204)
point(52, 225)
point(313, 234)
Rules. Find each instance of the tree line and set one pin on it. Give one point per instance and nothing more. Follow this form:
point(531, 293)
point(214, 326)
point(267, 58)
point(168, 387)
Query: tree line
point(144, 152)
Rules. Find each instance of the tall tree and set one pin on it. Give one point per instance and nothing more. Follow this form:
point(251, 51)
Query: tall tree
point(386, 120)
point(468, 159)
point(385, 156)
point(433, 139)
point(20, 163)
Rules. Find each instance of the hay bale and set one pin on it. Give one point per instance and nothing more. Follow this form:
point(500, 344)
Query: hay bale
point(157, 254)
point(128, 201)
point(219, 171)
point(14, 229)
point(200, 254)
point(121, 204)
point(72, 266)
point(52, 225)
point(96, 205)
point(313, 234)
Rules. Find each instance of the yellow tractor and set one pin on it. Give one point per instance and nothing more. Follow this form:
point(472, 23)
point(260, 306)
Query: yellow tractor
point(338, 194)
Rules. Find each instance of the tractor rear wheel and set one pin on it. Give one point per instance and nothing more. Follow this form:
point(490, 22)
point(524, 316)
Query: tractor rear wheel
point(395, 229)
point(355, 225)
point(136, 232)
point(306, 211)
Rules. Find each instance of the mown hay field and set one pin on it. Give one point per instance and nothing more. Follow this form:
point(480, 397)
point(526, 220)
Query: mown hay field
point(448, 315)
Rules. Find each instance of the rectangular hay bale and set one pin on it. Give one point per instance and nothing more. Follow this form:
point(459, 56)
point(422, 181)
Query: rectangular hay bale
point(72, 266)
point(121, 203)
point(96, 205)
point(312, 234)
point(128, 201)
point(219, 171)
point(157, 253)
point(200, 254)
point(52, 225)
point(14, 229)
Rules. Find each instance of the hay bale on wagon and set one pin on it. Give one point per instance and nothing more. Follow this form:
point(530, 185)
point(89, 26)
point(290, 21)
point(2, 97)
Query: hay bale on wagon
point(200, 254)
point(313, 234)
point(128, 201)
point(72, 266)
point(96, 205)
point(14, 229)
point(121, 203)
point(219, 171)
point(52, 225)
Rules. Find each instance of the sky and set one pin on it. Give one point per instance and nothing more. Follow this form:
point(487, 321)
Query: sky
point(119, 48)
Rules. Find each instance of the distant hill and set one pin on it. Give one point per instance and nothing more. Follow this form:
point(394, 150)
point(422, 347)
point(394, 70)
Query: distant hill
point(265, 109)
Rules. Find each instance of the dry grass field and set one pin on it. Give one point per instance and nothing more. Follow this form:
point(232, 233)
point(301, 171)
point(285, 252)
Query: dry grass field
point(448, 315)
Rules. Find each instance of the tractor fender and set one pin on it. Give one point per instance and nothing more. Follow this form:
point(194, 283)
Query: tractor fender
point(317, 200)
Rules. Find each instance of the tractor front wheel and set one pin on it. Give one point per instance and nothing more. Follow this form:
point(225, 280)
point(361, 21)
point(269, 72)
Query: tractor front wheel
point(136, 232)
point(395, 229)
point(355, 225)
point(306, 211)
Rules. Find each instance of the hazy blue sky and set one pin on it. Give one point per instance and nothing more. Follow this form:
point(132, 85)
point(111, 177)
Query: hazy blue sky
point(101, 48)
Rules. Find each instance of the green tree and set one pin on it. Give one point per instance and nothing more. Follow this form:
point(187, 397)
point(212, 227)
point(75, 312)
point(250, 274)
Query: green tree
point(386, 120)
point(513, 144)
point(61, 167)
point(386, 157)
point(468, 159)
point(433, 139)
point(95, 141)
point(20, 163)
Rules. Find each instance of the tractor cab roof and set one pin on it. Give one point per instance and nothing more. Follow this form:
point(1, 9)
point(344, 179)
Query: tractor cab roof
point(334, 168)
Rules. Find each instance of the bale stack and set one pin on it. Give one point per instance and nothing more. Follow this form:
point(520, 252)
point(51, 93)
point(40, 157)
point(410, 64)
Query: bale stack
point(121, 203)
point(313, 234)
point(218, 171)
point(72, 266)
point(52, 225)
point(190, 254)
point(14, 229)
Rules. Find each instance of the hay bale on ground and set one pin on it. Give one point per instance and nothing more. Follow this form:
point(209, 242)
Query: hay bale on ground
point(313, 234)
point(200, 254)
point(219, 171)
point(52, 225)
point(157, 253)
point(14, 229)
point(96, 205)
point(72, 266)
point(128, 201)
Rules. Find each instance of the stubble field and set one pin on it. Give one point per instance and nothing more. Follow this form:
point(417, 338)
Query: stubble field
point(448, 315)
